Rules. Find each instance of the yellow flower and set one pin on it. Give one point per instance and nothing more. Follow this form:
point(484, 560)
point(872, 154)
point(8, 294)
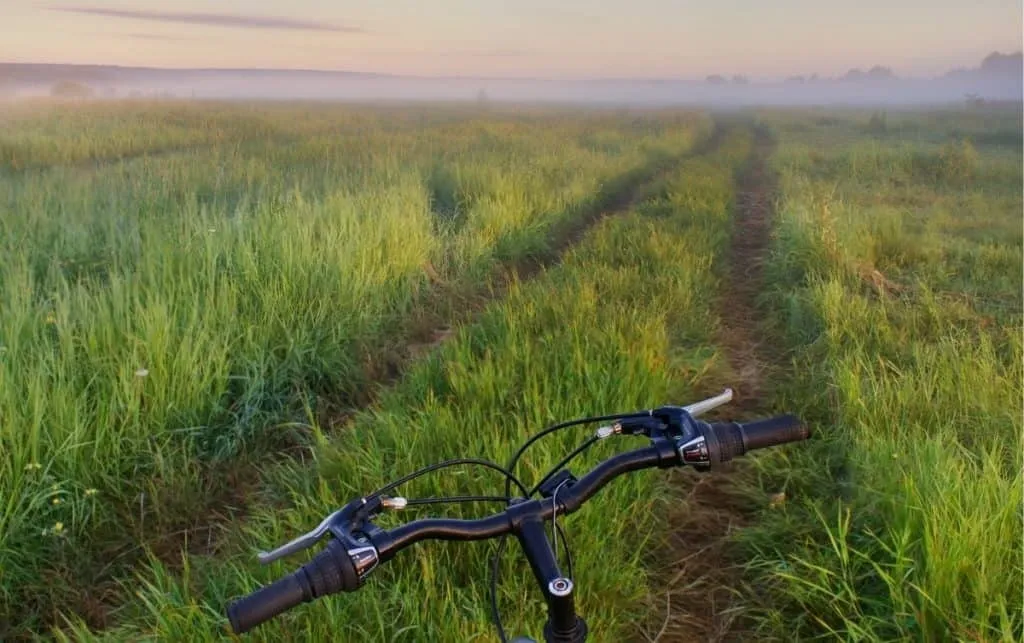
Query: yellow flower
point(58, 528)
point(91, 492)
point(56, 501)
point(33, 466)
point(50, 319)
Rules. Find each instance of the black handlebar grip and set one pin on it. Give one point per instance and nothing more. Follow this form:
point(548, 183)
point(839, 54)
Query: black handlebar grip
point(773, 431)
point(267, 602)
point(734, 439)
point(330, 571)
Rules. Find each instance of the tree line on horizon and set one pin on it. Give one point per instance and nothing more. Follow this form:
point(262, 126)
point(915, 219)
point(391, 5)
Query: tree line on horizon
point(995, 64)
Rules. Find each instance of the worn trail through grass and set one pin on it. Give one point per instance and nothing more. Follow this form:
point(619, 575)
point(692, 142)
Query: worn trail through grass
point(230, 489)
point(701, 594)
point(618, 322)
point(894, 282)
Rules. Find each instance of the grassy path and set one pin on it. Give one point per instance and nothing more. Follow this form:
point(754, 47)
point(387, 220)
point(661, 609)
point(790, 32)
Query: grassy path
point(221, 496)
point(618, 322)
point(894, 283)
point(243, 317)
point(742, 336)
point(896, 334)
point(703, 594)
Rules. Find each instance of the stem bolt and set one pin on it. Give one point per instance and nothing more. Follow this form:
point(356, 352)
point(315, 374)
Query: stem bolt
point(560, 587)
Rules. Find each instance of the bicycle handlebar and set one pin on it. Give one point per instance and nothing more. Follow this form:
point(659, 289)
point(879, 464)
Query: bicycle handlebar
point(359, 546)
point(502, 523)
point(331, 571)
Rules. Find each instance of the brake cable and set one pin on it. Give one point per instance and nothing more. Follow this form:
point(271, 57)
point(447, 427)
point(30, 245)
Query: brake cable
point(558, 427)
point(456, 499)
point(509, 476)
point(558, 467)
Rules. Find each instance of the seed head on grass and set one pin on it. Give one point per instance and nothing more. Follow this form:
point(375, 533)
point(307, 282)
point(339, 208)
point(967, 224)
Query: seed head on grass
point(56, 530)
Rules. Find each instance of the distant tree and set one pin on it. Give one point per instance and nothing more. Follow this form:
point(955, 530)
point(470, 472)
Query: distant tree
point(740, 80)
point(71, 89)
point(715, 79)
point(880, 73)
point(482, 100)
point(796, 79)
point(875, 73)
point(974, 101)
point(110, 92)
point(998, 63)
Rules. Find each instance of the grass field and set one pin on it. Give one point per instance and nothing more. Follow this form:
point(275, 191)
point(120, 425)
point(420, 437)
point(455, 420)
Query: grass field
point(220, 322)
point(168, 315)
point(896, 283)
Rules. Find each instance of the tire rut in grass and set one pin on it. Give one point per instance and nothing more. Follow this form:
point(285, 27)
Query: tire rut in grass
point(229, 490)
point(745, 345)
point(448, 306)
point(698, 601)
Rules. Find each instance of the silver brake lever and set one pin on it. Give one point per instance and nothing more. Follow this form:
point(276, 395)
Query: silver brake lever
point(699, 408)
point(304, 541)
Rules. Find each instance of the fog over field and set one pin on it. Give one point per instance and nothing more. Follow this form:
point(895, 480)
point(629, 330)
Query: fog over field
point(640, 53)
point(259, 258)
point(996, 78)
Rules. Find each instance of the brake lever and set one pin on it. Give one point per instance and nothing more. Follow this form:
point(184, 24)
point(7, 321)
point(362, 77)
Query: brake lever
point(336, 524)
point(702, 407)
point(667, 420)
point(305, 541)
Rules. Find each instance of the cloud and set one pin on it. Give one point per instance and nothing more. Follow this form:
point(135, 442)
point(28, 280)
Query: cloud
point(452, 53)
point(210, 19)
point(156, 36)
point(490, 53)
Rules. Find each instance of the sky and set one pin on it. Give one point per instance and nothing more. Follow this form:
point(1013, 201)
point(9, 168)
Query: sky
point(762, 39)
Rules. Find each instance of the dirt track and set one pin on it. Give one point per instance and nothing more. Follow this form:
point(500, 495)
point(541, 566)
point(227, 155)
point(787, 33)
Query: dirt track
point(751, 237)
point(232, 488)
point(698, 602)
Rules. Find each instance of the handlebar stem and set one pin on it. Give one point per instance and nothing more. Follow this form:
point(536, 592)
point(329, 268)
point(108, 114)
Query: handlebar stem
point(563, 626)
point(538, 550)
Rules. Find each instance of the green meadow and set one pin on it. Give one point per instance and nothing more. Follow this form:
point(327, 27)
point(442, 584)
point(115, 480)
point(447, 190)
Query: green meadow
point(220, 322)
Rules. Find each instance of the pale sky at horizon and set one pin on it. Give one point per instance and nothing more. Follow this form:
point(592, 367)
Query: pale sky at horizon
point(573, 38)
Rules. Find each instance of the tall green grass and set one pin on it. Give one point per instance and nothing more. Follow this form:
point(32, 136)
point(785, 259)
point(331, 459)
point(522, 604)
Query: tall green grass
point(625, 321)
point(165, 316)
point(900, 292)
